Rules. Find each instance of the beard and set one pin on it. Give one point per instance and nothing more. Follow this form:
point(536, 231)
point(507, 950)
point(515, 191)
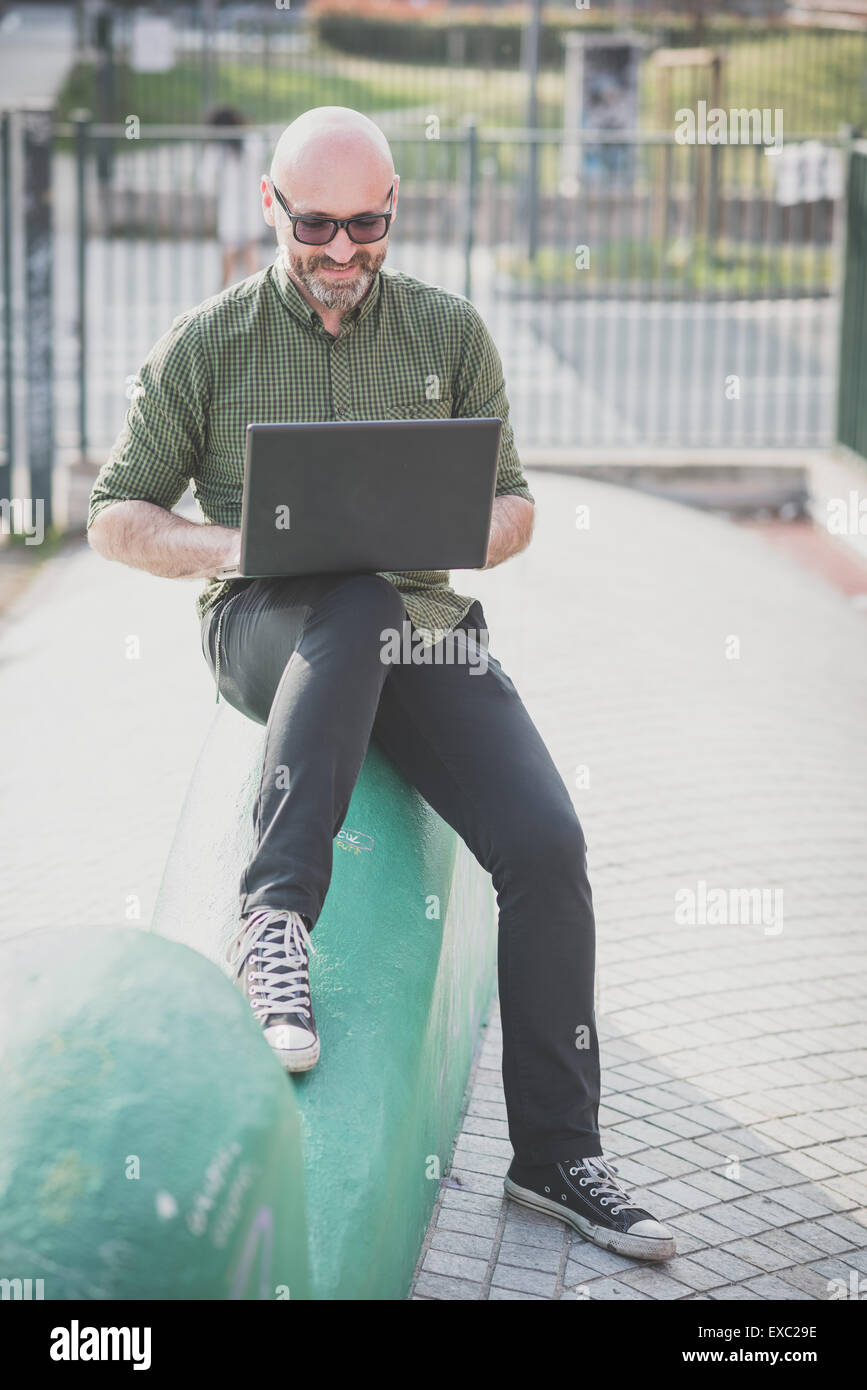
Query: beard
point(334, 294)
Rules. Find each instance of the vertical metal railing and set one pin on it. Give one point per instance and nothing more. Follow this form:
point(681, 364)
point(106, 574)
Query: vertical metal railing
point(633, 350)
point(470, 176)
point(37, 123)
point(82, 146)
point(852, 371)
point(6, 479)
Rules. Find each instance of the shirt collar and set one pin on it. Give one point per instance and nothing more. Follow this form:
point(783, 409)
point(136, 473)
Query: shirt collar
point(300, 309)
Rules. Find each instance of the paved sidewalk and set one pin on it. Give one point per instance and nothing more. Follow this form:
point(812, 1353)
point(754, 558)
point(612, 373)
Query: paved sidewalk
point(733, 1055)
point(106, 701)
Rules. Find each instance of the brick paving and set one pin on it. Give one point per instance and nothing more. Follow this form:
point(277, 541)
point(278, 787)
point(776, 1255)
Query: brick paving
point(733, 1055)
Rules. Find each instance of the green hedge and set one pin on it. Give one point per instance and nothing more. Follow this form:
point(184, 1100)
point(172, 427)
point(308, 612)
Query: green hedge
point(442, 37)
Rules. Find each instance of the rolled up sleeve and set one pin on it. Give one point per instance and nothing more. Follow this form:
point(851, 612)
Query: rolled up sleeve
point(162, 441)
point(481, 392)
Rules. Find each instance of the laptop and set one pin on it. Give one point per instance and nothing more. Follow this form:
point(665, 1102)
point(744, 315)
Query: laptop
point(367, 495)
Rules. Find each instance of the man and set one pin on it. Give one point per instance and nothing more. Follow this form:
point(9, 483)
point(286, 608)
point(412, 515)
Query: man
point(324, 333)
point(239, 227)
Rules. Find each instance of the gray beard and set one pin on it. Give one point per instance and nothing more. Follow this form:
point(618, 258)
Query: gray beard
point(336, 296)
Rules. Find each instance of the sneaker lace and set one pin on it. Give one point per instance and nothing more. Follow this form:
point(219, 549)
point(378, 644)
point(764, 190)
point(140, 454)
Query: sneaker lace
point(278, 941)
point(608, 1186)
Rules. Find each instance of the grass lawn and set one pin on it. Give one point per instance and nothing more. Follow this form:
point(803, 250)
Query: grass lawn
point(817, 79)
point(685, 265)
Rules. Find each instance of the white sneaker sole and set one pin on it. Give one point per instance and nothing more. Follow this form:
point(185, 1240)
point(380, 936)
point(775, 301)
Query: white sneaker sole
point(620, 1243)
point(298, 1058)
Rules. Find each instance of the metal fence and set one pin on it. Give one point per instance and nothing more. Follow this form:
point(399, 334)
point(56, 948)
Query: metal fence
point(676, 304)
point(852, 397)
point(276, 62)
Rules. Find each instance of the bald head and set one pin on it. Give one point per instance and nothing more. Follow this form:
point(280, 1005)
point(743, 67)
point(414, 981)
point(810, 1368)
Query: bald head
point(334, 136)
point(332, 162)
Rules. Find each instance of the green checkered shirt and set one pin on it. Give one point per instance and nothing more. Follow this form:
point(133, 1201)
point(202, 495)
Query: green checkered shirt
point(257, 352)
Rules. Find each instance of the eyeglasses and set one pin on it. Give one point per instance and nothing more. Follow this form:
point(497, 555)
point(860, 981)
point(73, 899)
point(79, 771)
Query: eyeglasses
point(318, 231)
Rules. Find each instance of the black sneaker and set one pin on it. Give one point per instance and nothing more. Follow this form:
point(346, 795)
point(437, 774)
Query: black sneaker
point(586, 1193)
point(269, 959)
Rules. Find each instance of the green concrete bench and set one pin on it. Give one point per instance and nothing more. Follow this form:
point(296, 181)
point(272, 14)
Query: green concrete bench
point(143, 1144)
point(402, 975)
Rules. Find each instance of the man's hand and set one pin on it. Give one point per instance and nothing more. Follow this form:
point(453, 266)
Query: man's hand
point(231, 565)
point(511, 528)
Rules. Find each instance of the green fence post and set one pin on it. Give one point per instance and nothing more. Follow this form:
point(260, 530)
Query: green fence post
point(81, 119)
point(856, 302)
point(9, 375)
point(208, 22)
point(105, 89)
point(471, 162)
point(852, 271)
point(37, 123)
point(531, 38)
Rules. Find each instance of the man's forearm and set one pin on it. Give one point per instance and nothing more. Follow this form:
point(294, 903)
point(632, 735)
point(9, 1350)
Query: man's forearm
point(149, 537)
point(511, 528)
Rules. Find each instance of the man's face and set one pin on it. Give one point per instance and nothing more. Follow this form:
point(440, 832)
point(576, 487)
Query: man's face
point(340, 273)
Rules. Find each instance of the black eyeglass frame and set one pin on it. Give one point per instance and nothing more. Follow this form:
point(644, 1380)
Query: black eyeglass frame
point(336, 222)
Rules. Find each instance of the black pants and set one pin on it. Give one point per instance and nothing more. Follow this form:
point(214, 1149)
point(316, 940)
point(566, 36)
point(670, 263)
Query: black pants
point(304, 657)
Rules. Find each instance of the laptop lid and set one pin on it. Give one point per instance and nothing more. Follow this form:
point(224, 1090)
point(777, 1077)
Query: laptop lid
point(368, 495)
